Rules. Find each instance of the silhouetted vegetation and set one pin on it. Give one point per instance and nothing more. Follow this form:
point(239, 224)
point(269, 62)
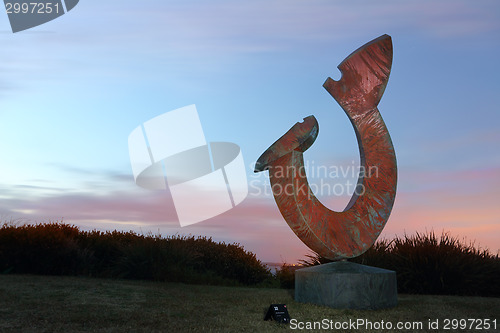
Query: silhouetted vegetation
point(427, 264)
point(62, 249)
point(286, 275)
point(424, 264)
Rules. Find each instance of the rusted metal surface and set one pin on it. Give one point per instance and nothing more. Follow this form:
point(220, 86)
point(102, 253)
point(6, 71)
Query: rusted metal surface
point(300, 137)
point(349, 233)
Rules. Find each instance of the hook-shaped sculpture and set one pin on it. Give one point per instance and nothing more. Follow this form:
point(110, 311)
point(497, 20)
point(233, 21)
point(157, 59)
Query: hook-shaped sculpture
point(349, 233)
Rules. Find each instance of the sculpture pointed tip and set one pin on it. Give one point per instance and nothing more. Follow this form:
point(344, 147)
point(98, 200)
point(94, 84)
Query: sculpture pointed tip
point(300, 137)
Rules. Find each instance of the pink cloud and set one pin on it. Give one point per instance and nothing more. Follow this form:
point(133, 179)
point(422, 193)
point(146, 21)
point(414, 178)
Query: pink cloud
point(463, 203)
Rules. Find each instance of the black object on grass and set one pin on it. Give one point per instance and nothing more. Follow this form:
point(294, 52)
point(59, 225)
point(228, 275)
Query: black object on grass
point(279, 313)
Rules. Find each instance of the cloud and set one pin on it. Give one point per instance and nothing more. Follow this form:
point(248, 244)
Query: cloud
point(122, 41)
point(222, 27)
point(263, 25)
point(461, 202)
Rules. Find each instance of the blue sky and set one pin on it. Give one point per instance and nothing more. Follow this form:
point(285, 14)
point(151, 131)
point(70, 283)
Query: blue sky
point(72, 90)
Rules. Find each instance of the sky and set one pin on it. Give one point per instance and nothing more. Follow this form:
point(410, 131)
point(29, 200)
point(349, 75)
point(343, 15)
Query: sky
point(73, 89)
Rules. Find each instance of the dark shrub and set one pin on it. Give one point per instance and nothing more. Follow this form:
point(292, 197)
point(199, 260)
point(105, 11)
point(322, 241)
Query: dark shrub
point(426, 264)
point(40, 249)
point(286, 276)
point(57, 248)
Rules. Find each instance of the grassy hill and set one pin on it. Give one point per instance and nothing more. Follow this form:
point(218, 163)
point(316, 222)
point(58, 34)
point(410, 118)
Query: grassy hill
point(30, 303)
point(58, 278)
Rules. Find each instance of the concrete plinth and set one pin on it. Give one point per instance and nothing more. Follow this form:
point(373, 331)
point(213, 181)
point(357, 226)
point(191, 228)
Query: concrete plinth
point(346, 285)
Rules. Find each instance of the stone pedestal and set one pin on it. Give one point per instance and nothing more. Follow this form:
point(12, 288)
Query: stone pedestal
point(346, 285)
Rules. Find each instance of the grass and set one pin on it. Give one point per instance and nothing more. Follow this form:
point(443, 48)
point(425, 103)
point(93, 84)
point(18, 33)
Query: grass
point(30, 303)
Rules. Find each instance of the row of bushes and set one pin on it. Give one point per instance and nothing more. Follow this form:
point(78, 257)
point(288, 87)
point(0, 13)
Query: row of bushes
point(62, 249)
point(424, 263)
point(427, 264)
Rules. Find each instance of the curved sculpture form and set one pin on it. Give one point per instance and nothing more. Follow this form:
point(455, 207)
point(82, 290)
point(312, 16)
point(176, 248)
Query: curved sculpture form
point(346, 234)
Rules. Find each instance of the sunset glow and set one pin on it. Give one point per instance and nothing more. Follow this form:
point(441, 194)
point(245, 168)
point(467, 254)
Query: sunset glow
point(72, 90)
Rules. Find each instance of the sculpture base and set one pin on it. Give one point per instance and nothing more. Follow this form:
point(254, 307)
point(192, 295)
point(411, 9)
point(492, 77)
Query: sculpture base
point(346, 285)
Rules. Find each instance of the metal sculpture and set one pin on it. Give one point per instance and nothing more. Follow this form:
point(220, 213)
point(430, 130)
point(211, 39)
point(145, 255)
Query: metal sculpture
point(346, 234)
